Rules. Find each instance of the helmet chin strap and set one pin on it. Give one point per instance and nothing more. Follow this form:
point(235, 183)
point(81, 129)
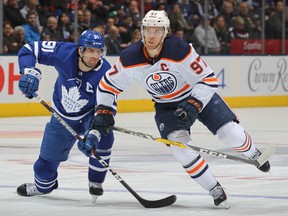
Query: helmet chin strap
point(154, 52)
point(82, 60)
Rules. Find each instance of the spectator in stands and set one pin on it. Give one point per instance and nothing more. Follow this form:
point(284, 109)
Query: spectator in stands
point(133, 11)
point(64, 26)
point(100, 29)
point(212, 42)
point(192, 11)
point(110, 22)
point(109, 4)
point(286, 24)
point(113, 41)
point(31, 5)
point(81, 25)
point(274, 23)
point(187, 9)
point(5, 48)
point(136, 36)
point(88, 19)
point(120, 9)
point(179, 33)
point(161, 6)
point(31, 30)
point(12, 13)
point(228, 13)
point(7, 36)
point(238, 30)
point(126, 29)
point(65, 6)
point(212, 9)
point(18, 39)
point(99, 12)
point(44, 11)
point(256, 31)
point(246, 14)
point(82, 5)
point(52, 30)
point(177, 20)
point(222, 34)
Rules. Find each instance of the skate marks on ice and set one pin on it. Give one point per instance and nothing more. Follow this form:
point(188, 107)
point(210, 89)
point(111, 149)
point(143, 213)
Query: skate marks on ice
point(150, 169)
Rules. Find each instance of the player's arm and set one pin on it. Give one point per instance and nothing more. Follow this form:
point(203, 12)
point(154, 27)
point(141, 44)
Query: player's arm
point(29, 54)
point(41, 52)
point(199, 75)
point(112, 84)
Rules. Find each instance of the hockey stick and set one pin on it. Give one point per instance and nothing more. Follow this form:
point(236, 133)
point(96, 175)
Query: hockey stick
point(259, 162)
point(146, 203)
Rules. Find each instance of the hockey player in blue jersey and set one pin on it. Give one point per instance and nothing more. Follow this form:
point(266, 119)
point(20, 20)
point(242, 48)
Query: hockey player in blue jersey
point(80, 68)
point(183, 88)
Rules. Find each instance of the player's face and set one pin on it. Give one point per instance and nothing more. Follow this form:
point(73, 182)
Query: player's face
point(153, 36)
point(91, 56)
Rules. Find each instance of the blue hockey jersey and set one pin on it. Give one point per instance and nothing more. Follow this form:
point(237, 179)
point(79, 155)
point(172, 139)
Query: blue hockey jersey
point(74, 90)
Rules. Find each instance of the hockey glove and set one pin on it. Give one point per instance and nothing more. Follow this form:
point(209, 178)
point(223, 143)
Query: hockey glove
point(187, 112)
point(29, 81)
point(103, 120)
point(90, 142)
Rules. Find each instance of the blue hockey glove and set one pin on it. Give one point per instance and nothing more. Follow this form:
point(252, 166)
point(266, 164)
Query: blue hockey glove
point(90, 142)
point(103, 120)
point(29, 81)
point(187, 112)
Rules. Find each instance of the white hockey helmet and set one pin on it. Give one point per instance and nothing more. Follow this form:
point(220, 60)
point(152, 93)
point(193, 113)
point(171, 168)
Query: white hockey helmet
point(155, 18)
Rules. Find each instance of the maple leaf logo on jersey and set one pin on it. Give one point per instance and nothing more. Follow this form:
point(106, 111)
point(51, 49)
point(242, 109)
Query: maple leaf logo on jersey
point(71, 101)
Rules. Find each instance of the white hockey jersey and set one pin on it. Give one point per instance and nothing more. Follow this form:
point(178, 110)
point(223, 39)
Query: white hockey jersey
point(176, 73)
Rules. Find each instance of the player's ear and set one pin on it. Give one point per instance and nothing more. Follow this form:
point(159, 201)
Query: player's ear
point(79, 51)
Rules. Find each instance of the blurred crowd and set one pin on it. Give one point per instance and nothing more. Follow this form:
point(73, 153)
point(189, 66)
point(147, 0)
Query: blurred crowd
point(119, 21)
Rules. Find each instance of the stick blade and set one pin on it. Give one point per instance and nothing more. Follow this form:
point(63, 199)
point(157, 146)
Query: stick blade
point(265, 155)
point(167, 201)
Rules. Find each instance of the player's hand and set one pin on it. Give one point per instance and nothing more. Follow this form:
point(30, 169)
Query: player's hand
point(90, 142)
point(103, 120)
point(187, 112)
point(29, 81)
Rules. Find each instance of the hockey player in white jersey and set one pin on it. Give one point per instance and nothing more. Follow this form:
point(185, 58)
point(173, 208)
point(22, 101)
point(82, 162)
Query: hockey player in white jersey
point(80, 67)
point(183, 88)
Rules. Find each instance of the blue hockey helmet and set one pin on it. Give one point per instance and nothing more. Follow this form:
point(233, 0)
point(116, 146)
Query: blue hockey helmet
point(92, 39)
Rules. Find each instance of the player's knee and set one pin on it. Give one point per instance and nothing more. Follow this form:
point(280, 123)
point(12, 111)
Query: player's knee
point(232, 134)
point(182, 136)
point(182, 155)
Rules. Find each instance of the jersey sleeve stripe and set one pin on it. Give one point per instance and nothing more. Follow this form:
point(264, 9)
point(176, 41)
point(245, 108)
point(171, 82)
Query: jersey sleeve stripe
point(109, 83)
point(210, 79)
point(106, 92)
point(175, 93)
point(36, 50)
point(104, 86)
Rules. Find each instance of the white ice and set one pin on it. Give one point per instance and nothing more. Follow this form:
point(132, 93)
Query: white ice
point(150, 169)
